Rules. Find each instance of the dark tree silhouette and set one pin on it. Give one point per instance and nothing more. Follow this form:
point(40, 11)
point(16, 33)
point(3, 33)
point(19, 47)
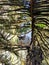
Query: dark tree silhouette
point(40, 26)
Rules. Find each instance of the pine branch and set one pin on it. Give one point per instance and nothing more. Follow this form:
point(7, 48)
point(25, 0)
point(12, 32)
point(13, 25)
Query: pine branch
point(42, 39)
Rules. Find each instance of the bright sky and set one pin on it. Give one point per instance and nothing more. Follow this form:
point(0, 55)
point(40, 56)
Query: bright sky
point(29, 34)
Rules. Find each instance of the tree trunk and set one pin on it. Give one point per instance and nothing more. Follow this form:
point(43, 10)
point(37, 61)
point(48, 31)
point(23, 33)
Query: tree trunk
point(34, 56)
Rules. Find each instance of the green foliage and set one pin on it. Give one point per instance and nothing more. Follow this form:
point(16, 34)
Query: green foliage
point(40, 25)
